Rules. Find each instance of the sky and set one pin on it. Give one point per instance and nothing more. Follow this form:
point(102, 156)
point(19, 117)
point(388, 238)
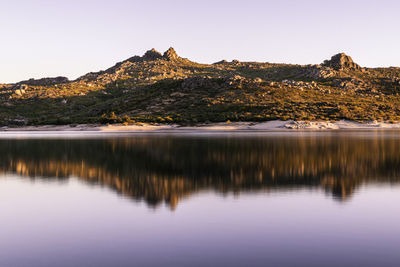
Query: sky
point(47, 38)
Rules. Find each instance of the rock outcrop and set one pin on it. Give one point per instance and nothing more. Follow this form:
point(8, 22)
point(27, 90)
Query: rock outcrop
point(171, 55)
point(341, 62)
point(318, 72)
point(152, 55)
point(45, 81)
point(223, 62)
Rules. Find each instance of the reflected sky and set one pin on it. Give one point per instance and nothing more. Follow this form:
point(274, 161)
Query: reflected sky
point(270, 200)
point(72, 224)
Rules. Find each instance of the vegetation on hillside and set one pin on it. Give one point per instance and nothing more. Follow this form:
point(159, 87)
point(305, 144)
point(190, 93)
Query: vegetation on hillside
point(170, 89)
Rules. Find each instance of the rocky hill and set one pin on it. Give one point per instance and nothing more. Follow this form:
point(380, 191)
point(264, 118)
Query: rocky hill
point(167, 88)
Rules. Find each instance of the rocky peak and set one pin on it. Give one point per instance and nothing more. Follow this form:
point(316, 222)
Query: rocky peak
point(152, 55)
point(170, 54)
point(341, 62)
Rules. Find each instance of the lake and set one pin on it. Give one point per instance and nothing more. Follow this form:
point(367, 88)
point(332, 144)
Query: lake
point(229, 199)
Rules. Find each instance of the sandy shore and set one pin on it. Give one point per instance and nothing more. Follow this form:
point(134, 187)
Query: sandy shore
point(214, 127)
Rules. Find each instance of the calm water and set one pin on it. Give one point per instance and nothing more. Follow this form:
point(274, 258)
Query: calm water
point(268, 199)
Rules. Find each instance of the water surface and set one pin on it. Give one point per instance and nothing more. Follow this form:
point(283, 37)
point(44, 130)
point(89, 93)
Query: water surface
point(266, 199)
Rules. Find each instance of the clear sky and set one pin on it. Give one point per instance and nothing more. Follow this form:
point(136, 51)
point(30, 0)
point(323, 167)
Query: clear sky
point(44, 38)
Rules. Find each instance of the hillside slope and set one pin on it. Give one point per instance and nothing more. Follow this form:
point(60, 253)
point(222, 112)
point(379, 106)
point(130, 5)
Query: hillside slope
point(168, 88)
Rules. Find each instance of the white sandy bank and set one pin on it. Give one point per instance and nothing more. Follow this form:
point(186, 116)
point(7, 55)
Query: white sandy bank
point(234, 126)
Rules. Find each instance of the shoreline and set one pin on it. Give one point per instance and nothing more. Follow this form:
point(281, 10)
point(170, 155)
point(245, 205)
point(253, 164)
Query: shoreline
point(212, 127)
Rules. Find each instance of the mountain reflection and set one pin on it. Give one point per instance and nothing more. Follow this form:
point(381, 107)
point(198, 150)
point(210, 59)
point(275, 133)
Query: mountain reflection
point(167, 169)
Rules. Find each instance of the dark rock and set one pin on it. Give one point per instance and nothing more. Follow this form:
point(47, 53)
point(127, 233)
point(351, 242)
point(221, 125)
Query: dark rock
point(20, 86)
point(42, 82)
point(221, 62)
point(341, 62)
point(152, 55)
point(171, 55)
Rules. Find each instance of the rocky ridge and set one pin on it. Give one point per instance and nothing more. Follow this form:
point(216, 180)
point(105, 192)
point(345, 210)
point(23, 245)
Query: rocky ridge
point(45, 81)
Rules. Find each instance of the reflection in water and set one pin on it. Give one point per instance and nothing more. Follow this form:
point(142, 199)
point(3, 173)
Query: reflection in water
point(166, 169)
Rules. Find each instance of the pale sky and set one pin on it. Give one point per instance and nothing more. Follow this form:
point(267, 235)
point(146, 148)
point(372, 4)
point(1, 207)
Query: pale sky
point(45, 38)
